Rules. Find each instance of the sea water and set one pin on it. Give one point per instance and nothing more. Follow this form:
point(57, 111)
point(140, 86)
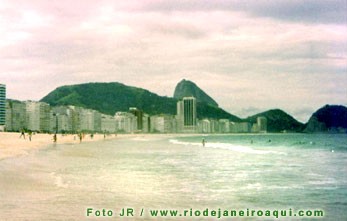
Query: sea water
point(266, 172)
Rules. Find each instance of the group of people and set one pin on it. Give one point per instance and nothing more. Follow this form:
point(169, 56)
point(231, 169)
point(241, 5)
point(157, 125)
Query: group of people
point(55, 138)
point(80, 136)
point(22, 134)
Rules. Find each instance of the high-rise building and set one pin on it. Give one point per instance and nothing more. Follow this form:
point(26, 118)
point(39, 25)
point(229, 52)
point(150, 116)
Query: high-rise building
point(87, 120)
point(2, 107)
point(97, 121)
point(240, 127)
point(224, 126)
point(33, 115)
point(146, 123)
point(262, 124)
point(139, 117)
point(108, 123)
point(75, 113)
point(186, 114)
point(38, 116)
point(205, 126)
point(162, 123)
point(125, 122)
point(62, 119)
point(15, 115)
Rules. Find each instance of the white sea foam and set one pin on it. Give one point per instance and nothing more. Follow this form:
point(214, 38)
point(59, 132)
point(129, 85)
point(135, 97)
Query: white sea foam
point(226, 146)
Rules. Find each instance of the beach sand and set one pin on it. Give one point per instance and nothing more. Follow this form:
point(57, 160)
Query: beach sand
point(12, 144)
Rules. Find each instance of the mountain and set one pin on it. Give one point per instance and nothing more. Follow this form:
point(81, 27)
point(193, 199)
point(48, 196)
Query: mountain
point(109, 98)
point(330, 118)
point(187, 88)
point(278, 121)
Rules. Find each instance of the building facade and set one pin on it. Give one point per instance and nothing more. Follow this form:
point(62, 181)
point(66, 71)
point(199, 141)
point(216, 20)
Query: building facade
point(262, 124)
point(224, 126)
point(204, 126)
point(240, 127)
point(125, 122)
point(87, 120)
point(2, 107)
point(162, 123)
point(186, 115)
point(15, 115)
point(139, 117)
point(38, 116)
point(108, 124)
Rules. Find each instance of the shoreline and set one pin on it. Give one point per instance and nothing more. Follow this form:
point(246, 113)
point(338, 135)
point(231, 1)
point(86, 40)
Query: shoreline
point(12, 144)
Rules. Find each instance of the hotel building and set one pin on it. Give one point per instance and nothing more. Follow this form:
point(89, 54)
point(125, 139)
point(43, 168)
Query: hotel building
point(2, 107)
point(186, 115)
point(15, 115)
point(38, 116)
point(162, 123)
point(139, 117)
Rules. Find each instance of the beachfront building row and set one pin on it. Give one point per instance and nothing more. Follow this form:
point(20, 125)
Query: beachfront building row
point(227, 126)
point(187, 122)
point(41, 117)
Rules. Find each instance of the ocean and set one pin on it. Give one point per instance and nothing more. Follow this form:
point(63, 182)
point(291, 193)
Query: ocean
point(255, 176)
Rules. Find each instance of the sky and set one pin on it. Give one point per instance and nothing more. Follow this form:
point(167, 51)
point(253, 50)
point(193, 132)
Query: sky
point(249, 55)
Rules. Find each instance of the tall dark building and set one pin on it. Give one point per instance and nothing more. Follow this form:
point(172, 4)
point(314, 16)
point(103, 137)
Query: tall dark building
point(139, 117)
point(186, 114)
point(189, 110)
point(2, 106)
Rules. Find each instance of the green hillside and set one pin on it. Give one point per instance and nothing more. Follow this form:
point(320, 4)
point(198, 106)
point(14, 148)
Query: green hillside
point(278, 121)
point(109, 98)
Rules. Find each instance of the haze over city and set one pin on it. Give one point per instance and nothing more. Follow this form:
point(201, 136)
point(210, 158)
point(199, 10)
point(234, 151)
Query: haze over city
point(250, 56)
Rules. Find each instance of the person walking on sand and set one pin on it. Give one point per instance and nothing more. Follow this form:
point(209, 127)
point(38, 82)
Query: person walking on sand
point(30, 135)
point(80, 136)
point(55, 138)
point(22, 134)
point(203, 142)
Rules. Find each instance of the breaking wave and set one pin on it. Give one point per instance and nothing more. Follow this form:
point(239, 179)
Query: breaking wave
point(226, 146)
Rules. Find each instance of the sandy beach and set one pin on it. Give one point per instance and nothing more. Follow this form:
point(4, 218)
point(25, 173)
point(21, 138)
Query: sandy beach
point(13, 144)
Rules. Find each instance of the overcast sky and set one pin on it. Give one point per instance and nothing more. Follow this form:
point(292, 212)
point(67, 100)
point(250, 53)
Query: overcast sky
point(249, 55)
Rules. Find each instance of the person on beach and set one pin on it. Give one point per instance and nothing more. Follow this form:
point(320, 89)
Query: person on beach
point(30, 135)
point(55, 138)
point(203, 142)
point(22, 134)
point(80, 136)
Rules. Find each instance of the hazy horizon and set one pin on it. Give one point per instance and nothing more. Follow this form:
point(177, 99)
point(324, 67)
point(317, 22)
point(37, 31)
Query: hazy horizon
point(249, 56)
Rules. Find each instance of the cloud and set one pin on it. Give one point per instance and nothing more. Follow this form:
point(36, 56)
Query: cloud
point(311, 11)
point(243, 53)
